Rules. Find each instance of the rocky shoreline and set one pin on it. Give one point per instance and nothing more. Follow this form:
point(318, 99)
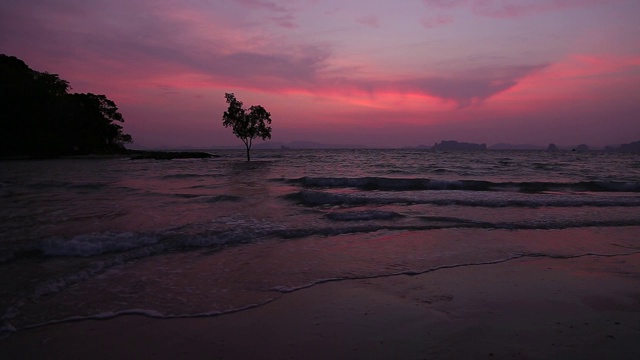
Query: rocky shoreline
point(131, 154)
point(169, 155)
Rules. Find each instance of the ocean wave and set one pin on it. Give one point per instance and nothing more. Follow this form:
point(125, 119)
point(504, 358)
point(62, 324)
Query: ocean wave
point(362, 215)
point(56, 184)
point(89, 186)
point(94, 244)
point(320, 198)
point(126, 245)
point(400, 184)
point(220, 198)
point(180, 176)
point(49, 184)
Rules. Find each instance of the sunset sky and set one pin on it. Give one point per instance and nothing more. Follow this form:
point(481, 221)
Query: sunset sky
point(382, 73)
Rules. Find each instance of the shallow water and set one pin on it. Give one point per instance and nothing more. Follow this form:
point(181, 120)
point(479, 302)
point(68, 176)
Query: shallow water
point(191, 237)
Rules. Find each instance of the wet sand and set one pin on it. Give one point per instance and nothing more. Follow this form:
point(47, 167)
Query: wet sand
point(529, 308)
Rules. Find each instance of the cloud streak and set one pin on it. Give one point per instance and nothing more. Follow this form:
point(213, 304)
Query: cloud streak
point(433, 22)
point(503, 9)
point(284, 16)
point(468, 89)
point(369, 20)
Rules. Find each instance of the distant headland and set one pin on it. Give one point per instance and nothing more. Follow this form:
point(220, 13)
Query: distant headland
point(633, 147)
point(40, 117)
point(454, 145)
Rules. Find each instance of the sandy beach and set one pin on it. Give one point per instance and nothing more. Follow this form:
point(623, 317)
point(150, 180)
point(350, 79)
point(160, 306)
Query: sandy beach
point(530, 308)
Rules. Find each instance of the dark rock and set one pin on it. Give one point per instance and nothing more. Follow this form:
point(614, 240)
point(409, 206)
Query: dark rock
point(582, 148)
point(170, 155)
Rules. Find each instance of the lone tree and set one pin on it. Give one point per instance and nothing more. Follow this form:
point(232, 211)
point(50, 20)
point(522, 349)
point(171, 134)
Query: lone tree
point(247, 125)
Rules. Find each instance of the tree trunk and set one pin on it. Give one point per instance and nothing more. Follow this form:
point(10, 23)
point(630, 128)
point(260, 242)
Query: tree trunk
point(248, 157)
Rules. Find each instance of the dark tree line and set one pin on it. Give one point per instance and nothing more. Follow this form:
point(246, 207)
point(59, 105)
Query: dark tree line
point(39, 115)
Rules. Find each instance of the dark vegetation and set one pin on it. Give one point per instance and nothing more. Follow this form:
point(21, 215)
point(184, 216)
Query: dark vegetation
point(248, 124)
point(41, 117)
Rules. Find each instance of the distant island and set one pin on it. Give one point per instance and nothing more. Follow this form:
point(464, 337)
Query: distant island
point(633, 147)
point(454, 145)
point(446, 145)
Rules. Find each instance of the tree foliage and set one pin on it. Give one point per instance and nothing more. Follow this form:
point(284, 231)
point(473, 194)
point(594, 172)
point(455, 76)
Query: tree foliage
point(40, 116)
point(249, 124)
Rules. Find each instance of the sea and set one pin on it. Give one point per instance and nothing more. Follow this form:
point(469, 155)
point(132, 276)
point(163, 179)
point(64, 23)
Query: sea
point(95, 238)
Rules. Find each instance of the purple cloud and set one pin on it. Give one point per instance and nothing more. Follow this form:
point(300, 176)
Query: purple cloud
point(266, 71)
point(468, 89)
point(511, 8)
point(285, 21)
point(436, 21)
point(464, 89)
point(369, 20)
point(285, 16)
point(526, 8)
point(264, 4)
point(445, 4)
point(237, 63)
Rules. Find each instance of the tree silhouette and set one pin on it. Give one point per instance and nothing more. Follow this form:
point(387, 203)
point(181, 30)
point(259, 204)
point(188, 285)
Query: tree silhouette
point(247, 125)
point(39, 116)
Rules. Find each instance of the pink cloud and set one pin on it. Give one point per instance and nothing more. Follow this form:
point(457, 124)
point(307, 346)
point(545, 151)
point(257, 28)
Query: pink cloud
point(527, 8)
point(588, 76)
point(369, 20)
point(285, 16)
point(445, 4)
point(264, 4)
point(584, 84)
point(433, 22)
point(285, 21)
point(512, 8)
point(463, 90)
point(237, 60)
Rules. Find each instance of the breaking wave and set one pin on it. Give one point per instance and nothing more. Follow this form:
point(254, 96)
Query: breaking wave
point(402, 184)
point(314, 198)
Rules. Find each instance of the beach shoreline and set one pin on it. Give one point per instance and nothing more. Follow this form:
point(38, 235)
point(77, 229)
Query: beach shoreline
point(583, 307)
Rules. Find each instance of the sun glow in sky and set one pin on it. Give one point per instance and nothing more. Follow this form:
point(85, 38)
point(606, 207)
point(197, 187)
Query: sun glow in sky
point(381, 73)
